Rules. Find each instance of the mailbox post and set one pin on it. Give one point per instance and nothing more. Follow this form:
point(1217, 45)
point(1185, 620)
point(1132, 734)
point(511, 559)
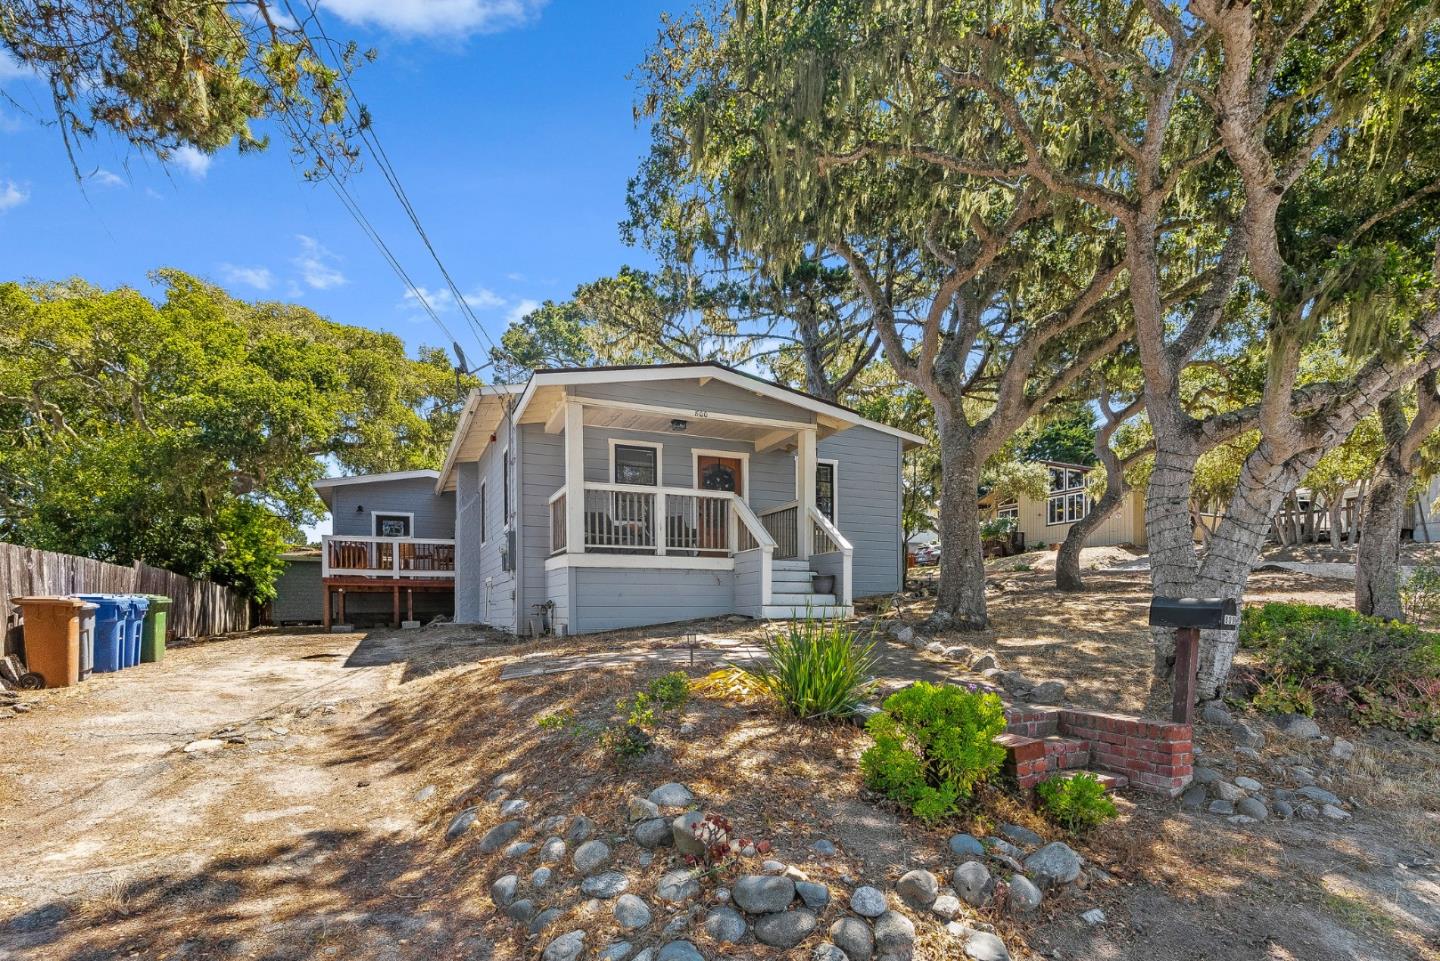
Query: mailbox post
point(1188, 616)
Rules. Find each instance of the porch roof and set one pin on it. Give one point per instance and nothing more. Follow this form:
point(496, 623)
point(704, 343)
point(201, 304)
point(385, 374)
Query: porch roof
point(486, 406)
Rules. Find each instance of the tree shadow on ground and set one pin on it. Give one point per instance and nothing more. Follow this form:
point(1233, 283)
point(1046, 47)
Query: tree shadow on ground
point(428, 650)
point(343, 894)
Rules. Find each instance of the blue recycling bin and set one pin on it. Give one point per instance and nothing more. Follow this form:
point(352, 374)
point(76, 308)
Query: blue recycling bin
point(135, 627)
point(112, 611)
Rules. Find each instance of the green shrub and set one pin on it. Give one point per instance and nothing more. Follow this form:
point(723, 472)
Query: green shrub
point(933, 744)
point(559, 721)
point(1384, 672)
point(816, 668)
point(1077, 803)
point(670, 691)
point(1282, 696)
point(1420, 595)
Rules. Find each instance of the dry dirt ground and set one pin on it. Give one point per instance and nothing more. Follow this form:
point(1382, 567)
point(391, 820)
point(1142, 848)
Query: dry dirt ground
point(310, 840)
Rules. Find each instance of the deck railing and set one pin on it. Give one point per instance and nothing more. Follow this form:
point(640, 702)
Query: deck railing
point(633, 519)
point(345, 555)
point(783, 524)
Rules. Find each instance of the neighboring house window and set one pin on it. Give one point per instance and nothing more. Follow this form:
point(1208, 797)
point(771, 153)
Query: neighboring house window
point(1011, 509)
point(1068, 501)
point(635, 464)
point(392, 525)
point(484, 520)
point(825, 488)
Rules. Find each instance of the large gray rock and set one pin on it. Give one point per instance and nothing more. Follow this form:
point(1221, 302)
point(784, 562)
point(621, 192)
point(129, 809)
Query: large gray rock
point(966, 844)
point(552, 851)
point(1054, 864)
point(1216, 713)
point(590, 857)
point(502, 892)
point(973, 883)
point(1246, 736)
point(499, 836)
point(984, 946)
point(854, 937)
point(1222, 807)
point(617, 951)
point(514, 806)
point(763, 894)
point(1342, 750)
point(1048, 692)
point(1318, 794)
point(544, 919)
point(945, 907)
point(682, 830)
point(1205, 775)
point(1020, 835)
point(894, 934)
point(1252, 807)
point(671, 795)
point(680, 951)
point(918, 887)
point(1298, 725)
point(522, 910)
point(984, 662)
point(868, 902)
point(1226, 791)
point(725, 925)
point(1024, 896)
point(653, 833)
point(631, 912)
point(785, 929)
point(825, 951)
point(460, 823)
point(1334, 812)
point(607, 884)
point(540, 877)
point(1194, 798)
point(1248, 784)
point(814, 895)
point(677, 886)
point(567, 947)
point(641, 809)
point(580, 829)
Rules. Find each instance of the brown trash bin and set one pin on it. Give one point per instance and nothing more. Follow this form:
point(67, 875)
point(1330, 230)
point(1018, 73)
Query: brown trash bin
point(52, 637)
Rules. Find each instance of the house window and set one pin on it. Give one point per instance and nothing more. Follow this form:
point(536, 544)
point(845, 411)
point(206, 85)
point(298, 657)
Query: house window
point(505, 486)
point(1068, 501)
point(392, 525)
point(1011, 509)
point(825, 488)
point(635, 464)
point(484, 520)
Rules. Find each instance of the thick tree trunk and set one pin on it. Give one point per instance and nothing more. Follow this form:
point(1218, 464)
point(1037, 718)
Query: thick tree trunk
point(1067, 562)
point(960, 600)
point(1377, 562)
point(1173, 564)
point(1337, 514)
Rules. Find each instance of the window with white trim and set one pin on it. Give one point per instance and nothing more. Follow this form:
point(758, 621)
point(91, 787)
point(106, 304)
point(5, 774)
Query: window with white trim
point(1068, 502)
point(635, 464)
point(1011, 509)
point(825, 481)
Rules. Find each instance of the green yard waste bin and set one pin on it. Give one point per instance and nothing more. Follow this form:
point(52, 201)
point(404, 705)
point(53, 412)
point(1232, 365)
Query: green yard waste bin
point(152, 638)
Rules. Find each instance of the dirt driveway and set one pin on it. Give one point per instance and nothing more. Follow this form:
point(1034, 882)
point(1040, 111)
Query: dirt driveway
point(107, 815)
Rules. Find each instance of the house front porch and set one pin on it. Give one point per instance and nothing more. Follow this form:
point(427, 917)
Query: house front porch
point(692, 511)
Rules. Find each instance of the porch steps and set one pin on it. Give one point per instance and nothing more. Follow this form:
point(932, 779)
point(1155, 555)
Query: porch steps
point(791, 596)
point(777, 613)
point(799, 600)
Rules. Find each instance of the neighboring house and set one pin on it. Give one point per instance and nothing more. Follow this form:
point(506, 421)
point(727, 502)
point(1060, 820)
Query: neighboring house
point(1047, 521)
point(299, 590)
point(590, 499)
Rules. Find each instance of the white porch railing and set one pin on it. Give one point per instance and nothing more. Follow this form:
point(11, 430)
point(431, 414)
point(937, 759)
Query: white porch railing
point(633, 519)
point(343, 555)
point(829, 541)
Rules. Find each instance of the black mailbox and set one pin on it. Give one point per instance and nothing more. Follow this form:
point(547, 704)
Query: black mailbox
point(1206, 613)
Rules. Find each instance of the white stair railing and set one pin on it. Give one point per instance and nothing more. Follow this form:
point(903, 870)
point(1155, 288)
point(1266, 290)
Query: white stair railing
point(829, 540)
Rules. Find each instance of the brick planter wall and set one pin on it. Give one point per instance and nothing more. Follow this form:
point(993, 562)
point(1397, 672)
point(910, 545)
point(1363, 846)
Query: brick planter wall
point(1153, 756)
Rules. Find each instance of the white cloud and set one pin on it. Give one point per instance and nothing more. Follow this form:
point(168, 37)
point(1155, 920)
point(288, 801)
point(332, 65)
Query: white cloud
point(192, 161)
point(521, 308)
point(12, 194)
point(442, 300)
point(105, 178)
point(258, 277)
point(12, 69)
point(317, 264)
point(438, 18)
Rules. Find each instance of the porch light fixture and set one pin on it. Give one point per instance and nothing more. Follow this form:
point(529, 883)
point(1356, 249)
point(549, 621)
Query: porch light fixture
point(677, 426)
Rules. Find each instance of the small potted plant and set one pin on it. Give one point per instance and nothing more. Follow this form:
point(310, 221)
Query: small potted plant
point(822, 583)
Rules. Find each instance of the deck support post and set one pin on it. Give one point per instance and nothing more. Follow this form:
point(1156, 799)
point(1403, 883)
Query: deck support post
point(329, 601)
point(574, 477)
point(395, 605)
point(805, 460)
point(409, 604)
point(342, 605)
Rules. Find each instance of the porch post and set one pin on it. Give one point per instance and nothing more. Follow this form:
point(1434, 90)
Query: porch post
point(574, 477)
point(805, 467)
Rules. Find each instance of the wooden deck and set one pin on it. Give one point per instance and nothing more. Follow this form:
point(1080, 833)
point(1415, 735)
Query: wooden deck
point(338, 586)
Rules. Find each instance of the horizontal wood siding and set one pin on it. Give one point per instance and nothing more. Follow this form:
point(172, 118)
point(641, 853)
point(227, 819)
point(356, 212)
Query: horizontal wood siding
point(200, 609)
point(715, 396)
point(352, 506)
point(557, 591)
point(542, 473)
point(494, 588)
point(749, 582)
point(867, 490)
point(1125, 526)
point(299, 593)
point(606, 598)
point(467, 543)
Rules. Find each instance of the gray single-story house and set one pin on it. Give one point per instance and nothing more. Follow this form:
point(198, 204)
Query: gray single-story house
point(590, 499)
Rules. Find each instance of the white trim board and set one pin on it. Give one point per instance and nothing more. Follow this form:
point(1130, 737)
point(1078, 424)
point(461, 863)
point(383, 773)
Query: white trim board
point(375, 516)
point(660, 562)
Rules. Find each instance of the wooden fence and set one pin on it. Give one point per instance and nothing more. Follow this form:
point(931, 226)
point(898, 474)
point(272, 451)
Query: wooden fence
point(201, 608)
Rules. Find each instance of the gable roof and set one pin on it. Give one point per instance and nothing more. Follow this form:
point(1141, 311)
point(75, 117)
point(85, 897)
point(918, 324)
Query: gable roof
point(324, 485)
point(483, 408)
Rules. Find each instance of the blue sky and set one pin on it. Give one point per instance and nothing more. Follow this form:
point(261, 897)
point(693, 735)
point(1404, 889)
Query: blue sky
point(508, 121)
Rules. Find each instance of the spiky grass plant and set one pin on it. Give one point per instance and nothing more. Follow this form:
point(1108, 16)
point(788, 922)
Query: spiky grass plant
point(817, 668)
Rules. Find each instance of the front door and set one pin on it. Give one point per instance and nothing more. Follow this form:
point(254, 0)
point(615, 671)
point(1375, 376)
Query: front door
point(716, 474)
